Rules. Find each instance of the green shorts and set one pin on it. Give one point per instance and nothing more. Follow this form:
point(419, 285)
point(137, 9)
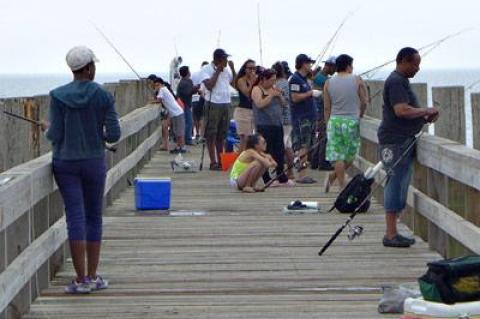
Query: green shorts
point(343, 139)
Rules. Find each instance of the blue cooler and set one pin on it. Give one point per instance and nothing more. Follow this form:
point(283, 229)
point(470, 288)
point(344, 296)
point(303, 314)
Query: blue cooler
point(152, 193)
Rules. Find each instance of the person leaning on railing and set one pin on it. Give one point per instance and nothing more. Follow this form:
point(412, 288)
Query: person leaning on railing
point(82, 119)
point(402, 119)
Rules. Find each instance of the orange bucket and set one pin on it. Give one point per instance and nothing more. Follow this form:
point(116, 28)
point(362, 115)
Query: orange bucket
point(227, 160)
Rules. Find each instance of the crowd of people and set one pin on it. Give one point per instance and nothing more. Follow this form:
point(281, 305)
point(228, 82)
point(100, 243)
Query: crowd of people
point(313, 113)
point(289, 110)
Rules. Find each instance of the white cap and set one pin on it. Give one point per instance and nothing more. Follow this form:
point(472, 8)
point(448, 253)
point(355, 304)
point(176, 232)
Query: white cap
point(331, 60)
point(80, 56)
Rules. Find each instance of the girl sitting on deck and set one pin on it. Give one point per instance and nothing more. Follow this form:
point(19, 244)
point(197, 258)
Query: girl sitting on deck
point(251, 164)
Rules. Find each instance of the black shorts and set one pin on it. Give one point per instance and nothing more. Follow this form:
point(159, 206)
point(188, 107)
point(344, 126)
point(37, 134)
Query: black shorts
point(198, 109)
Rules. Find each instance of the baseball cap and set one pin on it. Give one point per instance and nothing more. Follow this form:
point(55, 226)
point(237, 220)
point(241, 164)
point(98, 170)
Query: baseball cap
point(152, 77)
point(80, 56)
point(220, 53)
point(330, 60)
point(302, 59)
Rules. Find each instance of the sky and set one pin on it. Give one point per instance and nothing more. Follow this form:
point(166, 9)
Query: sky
point(36, 34)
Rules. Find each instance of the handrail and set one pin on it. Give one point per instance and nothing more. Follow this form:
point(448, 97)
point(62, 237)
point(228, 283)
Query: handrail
point(33, 181)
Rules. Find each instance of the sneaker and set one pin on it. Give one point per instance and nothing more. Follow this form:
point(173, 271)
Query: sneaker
point(76, 287)
point(215, 167)
point(411, 240)
point(397, 242)
point(175, 151)
point(98, 283)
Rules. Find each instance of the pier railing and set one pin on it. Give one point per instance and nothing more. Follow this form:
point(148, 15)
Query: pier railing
point(444, 196)
point(32, 222)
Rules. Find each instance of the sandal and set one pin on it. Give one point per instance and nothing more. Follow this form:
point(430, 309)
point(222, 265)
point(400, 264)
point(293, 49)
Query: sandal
point(306, 180)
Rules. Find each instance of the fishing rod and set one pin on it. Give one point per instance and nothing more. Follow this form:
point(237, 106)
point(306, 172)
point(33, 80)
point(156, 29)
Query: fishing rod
point(429, 47)
point(322, 53)
point(369, 176)
point(259, 34)
point(104, 36)
point(219, 37)
point(110, 148)
point(26, 119)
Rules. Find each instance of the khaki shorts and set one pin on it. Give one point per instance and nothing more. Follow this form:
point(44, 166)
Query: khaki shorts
point(244, 120)
point(287, 136)
point(178, 125)
point(216, 120)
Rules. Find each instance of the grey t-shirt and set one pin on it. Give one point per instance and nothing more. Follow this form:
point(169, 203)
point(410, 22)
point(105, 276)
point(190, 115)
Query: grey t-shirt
point(270, 115)
point(393, 129)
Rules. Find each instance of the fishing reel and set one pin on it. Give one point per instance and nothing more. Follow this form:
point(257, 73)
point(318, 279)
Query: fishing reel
point(299, 166)
point(354, 231)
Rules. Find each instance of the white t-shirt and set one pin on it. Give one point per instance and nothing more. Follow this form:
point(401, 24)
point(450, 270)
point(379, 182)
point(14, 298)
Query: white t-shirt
point(196, 79)
point(169, 102)
point(221, 90)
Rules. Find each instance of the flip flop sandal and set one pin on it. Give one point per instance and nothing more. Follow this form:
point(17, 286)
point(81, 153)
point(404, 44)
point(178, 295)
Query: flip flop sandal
point(307, 180)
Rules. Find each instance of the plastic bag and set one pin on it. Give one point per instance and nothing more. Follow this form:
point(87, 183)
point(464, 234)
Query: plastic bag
point(394, 297)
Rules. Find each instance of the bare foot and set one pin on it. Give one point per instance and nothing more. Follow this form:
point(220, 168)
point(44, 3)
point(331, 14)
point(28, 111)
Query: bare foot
point(259, 189)
point(248, 189)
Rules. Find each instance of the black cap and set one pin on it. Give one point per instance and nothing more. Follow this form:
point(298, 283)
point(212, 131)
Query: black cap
point(220, 54)
point(152, 77)
point(302, 59)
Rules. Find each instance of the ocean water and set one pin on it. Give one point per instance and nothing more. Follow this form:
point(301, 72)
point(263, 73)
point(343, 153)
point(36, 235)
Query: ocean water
point(21, 85)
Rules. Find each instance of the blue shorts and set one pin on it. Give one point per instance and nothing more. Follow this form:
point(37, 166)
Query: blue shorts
point(396, 188)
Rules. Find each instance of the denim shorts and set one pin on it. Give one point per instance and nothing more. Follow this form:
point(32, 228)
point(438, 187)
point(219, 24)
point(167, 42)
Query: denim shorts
point(396, 188)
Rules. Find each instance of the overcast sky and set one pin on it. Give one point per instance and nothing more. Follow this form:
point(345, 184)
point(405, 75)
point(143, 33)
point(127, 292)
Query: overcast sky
point(36, 34)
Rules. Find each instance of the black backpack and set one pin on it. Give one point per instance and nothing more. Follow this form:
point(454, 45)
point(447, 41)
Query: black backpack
point(353, 195)
point(452, 280)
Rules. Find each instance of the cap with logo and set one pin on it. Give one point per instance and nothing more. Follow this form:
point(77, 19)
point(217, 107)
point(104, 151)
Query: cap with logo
point(80, 56)
point(330, 60)
point(302, 59)
point(220, 54)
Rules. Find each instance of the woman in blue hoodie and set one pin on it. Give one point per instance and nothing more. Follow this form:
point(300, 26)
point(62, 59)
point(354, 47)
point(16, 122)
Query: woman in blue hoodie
point(82, 119)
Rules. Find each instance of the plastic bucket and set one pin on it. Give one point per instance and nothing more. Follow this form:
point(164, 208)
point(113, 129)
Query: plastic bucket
point(227, 160)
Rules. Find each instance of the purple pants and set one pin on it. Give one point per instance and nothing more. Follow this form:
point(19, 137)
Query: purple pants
point(81, 184)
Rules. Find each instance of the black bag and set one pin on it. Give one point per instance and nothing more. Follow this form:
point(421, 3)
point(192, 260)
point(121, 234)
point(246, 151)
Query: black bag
point(452, 280)
point(353, 195)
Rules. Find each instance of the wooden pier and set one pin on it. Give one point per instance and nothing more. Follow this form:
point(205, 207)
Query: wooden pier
point(220, 253)
point(239, 257)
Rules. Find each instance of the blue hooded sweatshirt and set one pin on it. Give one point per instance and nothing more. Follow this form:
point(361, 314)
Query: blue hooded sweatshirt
point(82, 118)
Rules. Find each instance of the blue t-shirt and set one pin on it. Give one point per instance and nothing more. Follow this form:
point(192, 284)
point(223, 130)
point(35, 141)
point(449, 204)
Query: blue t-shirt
point(306, 108)
point(320, 80)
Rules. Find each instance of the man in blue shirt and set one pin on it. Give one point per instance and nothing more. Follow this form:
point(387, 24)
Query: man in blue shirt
point(303, 111)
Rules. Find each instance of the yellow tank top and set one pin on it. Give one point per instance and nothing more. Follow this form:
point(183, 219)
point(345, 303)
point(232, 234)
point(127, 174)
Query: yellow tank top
point(238, 168)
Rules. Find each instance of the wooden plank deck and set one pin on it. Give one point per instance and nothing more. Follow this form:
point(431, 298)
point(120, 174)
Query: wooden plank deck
point(243, 259)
